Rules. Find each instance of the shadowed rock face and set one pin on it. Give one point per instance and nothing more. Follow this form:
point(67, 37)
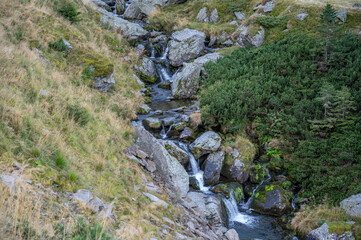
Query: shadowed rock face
point(170, 170)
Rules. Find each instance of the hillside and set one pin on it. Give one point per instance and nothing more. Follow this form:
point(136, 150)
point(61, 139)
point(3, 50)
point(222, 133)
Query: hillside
point(172, 119)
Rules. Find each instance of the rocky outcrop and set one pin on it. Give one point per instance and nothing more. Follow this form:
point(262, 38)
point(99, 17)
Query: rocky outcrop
point(169, 169)
point(152, 123)
point(103, 84)
point(185, 83)
point(139, 10)
point(245, 36)
point(272, 199)
point(213, 167)
point(207, 207)
point(181, 155)
point(156, 201)
point(240, 16)
point(202, 15)
point(185, 45)
point(352, 205)
point(130, 31)
point(148, 69)
point(326, 233)
point(207, 143)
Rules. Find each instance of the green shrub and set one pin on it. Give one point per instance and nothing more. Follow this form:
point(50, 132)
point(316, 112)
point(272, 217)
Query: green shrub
point(80, 114)
point(68, 10)
point(61, 161)
point(237, 6)
point(270, 22)
point(58, 45)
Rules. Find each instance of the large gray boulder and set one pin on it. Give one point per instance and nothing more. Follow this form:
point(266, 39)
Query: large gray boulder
point(214, 16)
point(185, 45)
point(213, 167)
point(352, 205)
point(185, 83)
point(170, 170)
point(139, 10)
point(272, 199)
point(243, 36)
point(208, 142)
point(181, 155)
point(130, 31)
point(323, 233)
point(206, 207)
point(202, 15)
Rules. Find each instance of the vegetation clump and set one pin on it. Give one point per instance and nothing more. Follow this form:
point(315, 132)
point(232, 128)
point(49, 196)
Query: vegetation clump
point(58, 45)
point(68, 10)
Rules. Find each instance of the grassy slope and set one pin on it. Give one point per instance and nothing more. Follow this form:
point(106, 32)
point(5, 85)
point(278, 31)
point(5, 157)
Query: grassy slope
point(39, 132)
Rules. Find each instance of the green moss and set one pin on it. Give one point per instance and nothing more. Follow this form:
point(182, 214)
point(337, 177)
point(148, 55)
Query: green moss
point(34, 44)
point(339, 227)
point(227, 188)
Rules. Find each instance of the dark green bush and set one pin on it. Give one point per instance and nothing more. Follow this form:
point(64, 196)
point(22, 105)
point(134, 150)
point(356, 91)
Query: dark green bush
point(80, 114)
point(237, 6)
point(270, 22)
point(58, 45)
point(68, 10)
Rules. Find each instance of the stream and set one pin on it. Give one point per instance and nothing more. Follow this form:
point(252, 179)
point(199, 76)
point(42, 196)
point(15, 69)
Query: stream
point(247, 223)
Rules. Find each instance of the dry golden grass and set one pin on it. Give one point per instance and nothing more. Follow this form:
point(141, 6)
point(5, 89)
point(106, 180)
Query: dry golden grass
point(310, 218)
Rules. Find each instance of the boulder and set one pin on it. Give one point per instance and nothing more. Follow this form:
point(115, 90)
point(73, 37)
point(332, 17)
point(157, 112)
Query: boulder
point(258, 174)
point(352, 205)
point(11, 181)
point(208, 142)
point(185, 45)
point(148, 69)
point(238, 162)
point(103, 83)
point(186, 82)
point(272, 199)
point(152, 123)
point(227, 189)
point(342, 15)
point(206, 207)
point(268, 7)
point(325, 232)
point(301, 16)
point(144, 109)
point(156, 201)
point(240, 16)
point(214, 16)
point(131, 31)
point(140, 50)
point(202, 15)
point(231, 234)
point(139, 10)
point(170, 170)
point(212, 168)
point(243, 36)
point(181, 155)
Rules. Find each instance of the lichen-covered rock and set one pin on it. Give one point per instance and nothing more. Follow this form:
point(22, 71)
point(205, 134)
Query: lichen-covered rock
point(185, 45)
point(144, 109)
point(272, 199)
point(207, 143)
point(186, 82)
point(227, 189)
point(173, 174)
point(301, 16)
point(147, 70)
point(181, 155)
point(342, 15)
point(352, 205)
point(214, 16)
point(332, 231)
point(152, 123)
point(212, 168)
point(202, 15)
point(245, 36)
point(268, 7)
point(138, 10)
point(240, 16)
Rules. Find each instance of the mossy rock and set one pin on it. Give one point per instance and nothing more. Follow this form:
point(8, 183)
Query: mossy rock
point(356, 230)
point(227, 188)
point(193, 182)
point(339, 227)
point(103, 67)
point(258, 174)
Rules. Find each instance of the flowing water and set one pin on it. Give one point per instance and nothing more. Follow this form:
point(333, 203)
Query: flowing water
point(248, 224)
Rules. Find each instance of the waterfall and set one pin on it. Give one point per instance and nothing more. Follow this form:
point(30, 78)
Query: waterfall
point(250, 200)
point(163, 73)
point(234, 215)
point(163, 134)
point(197, 173)
point(152, 56)
point(165, 54)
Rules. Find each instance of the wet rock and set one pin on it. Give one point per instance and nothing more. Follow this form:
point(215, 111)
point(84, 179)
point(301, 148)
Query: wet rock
point(147, 68)
point(227, 189)
point(193, 182)
point(240, 16)
point(244, 36)
point(352, 205)
point(144, 109)
point(301, 16)
point(272, 199)
point(207, 207)
point(156, 201)
point(181, 155)
point(152, 123)
point(342, 15)
point(186, 134)
point(130, 31)
point(214, 16)
point(231, 234)
point(169, 169)
point(258, 174)
point(207, 143)
point(237, 166)
point(202, 15)
point(161, 38)
point(138, 10)
point(326, 233)
point(185, 45)
point(186, 82)
point(213, 167)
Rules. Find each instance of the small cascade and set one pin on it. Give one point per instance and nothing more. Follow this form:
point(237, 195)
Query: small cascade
point(165, 54)
point(197, 173)
point(234, 215)
point(163, 73)
point(163, 134)
point(152, 52)
point(247, 205)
